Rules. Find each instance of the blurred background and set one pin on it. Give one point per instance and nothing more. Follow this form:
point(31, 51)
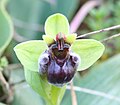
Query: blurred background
point(28, 17)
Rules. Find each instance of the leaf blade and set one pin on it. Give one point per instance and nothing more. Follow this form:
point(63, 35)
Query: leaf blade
point(6, 27)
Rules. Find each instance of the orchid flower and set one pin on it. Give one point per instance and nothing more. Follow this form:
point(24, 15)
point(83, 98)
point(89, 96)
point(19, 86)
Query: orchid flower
point(51, 63)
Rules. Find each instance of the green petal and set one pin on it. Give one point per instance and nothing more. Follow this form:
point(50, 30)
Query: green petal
point(71, 38)
point(89, 51)
point(56, 23)
point(29, 52)
point(48, 39)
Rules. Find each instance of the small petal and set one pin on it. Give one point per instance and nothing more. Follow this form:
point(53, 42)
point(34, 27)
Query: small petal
point(71, 38)
point(48, 39)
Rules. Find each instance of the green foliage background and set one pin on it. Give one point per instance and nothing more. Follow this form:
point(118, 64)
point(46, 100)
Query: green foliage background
point(28, 18)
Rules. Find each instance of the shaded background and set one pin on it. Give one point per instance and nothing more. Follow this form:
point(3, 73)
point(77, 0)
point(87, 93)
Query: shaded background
point(29, 16)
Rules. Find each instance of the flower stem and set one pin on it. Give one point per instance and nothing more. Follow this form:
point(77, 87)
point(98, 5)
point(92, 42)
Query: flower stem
point(73, 95)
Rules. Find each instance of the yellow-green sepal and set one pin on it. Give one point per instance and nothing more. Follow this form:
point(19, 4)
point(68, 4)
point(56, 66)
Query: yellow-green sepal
point(89, 50)
point(48, 39)
point(71, 38)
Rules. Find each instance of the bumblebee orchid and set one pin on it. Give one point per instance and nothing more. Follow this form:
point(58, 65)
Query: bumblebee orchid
point(51, 63)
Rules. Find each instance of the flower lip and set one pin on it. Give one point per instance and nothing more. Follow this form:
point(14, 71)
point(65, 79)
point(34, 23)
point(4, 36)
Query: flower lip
point(75, 57)
point(58, 66)
point(44, 58)
point(60, 75)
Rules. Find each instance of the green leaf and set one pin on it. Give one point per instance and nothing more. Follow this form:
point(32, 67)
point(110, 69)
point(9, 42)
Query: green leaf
point(105, 78)
point(16, 75)
point(2, 104)
point(89, 51)
point(52, 94)
point(24, 95)
point(55, 24)
point(29, 52)
point(6, 27)
point(36, 13)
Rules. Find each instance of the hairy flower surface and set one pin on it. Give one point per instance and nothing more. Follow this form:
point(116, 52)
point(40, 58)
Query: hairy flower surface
point(59, 63)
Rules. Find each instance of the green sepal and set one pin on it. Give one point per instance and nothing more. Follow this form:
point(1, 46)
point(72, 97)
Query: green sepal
point(55, 24)
point(28, 53)
point(89, 51)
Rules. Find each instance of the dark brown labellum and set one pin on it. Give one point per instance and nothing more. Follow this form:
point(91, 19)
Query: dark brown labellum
point(60, 75)
point(59, 63)
point(59, 72)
